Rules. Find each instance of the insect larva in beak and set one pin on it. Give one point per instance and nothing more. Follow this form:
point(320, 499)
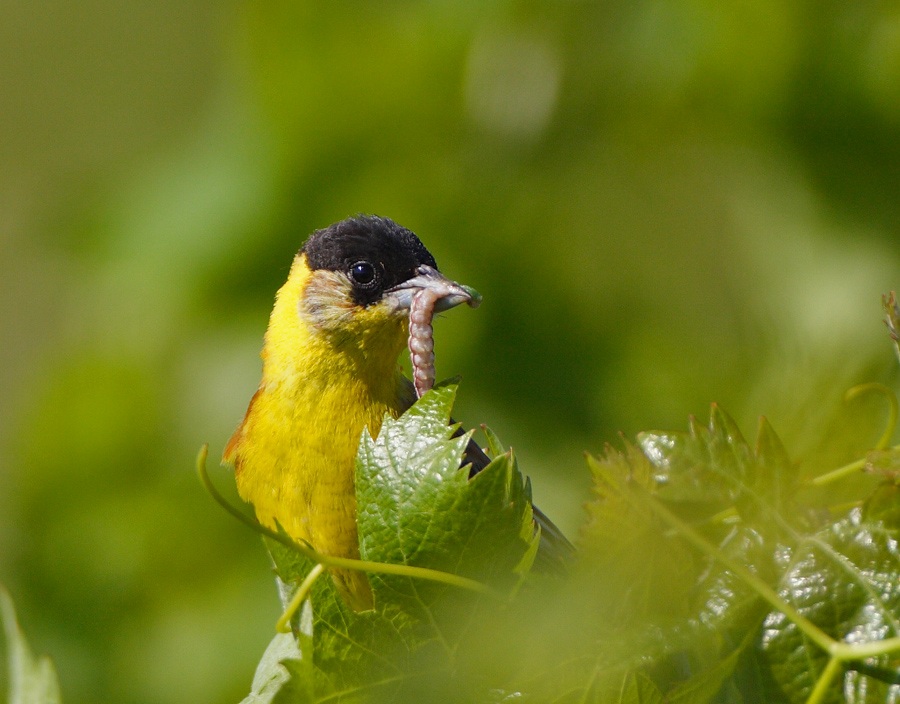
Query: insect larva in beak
point(421, 337)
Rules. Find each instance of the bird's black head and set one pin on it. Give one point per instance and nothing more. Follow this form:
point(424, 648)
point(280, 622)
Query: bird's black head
point(374, 253)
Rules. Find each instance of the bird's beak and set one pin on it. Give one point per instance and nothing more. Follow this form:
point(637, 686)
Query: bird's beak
point(447, 293)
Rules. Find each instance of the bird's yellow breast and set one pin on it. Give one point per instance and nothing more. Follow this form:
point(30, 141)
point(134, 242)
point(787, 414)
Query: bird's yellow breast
point(329, 371)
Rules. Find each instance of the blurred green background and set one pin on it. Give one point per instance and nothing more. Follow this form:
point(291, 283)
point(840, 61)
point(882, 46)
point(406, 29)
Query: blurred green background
point(663, 204)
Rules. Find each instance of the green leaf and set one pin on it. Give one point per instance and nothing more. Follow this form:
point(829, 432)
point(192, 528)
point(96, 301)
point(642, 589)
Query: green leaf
point(705, 465)
point(32, 680)
point(713, 467)
point(771, 488)
point(656, 576)
point(416, 507)
point(690, 599)
point(846, 580)
point(495, 446)
point(720, 599)
point(648, 571)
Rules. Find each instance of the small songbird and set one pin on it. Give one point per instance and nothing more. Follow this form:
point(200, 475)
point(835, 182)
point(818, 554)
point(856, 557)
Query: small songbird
point(330, 369)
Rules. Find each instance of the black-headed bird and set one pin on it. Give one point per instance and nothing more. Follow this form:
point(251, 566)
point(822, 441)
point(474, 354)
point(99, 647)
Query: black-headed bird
point(330, 369)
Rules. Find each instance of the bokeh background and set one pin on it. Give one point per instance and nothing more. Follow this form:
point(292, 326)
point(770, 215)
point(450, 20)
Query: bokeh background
point(663, 203)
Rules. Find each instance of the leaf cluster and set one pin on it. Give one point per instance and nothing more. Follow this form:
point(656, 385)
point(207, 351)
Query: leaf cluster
point(747, 574)
point(709, 570)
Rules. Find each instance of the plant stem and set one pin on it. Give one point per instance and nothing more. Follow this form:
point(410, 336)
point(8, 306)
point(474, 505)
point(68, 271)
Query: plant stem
point(822, 684)
point(845, 471)
point(307, 551)
point(283, 625)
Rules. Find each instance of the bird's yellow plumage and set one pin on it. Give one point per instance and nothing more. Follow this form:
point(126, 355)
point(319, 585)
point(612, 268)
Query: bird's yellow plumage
point(294, 453)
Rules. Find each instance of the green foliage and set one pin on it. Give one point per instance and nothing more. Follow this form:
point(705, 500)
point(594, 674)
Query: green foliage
point(708, 572)
point(844, 578)
point(774, 561)
point(32, 680)
point(416, 507)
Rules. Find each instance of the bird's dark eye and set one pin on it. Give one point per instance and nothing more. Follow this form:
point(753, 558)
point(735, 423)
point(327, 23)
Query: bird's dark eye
point(362, 273)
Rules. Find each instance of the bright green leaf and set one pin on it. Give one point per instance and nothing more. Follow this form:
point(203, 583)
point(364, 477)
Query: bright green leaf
point(495, 446)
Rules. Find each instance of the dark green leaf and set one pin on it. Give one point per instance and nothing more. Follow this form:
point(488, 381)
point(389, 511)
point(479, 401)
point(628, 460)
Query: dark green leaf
point(654, 574)
point(846, 580)
point(712, 467)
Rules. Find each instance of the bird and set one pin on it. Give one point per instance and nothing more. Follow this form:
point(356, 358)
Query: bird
point(330, 370)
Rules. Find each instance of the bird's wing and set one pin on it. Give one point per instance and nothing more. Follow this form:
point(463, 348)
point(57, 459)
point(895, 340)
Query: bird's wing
point(231, 454)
